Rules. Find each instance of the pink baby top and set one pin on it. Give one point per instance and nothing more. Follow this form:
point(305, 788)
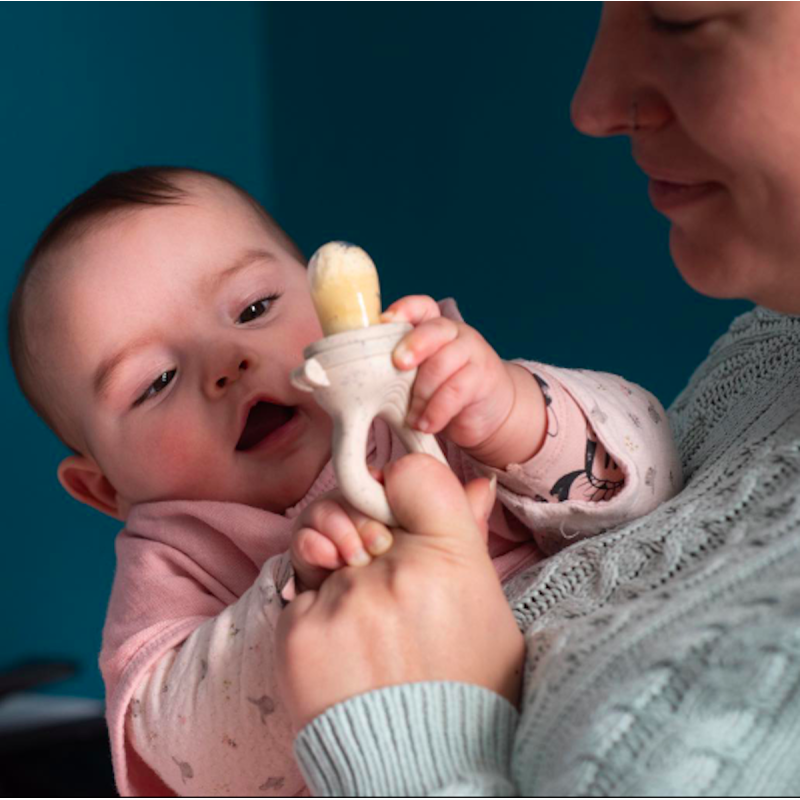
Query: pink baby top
point(192, 704)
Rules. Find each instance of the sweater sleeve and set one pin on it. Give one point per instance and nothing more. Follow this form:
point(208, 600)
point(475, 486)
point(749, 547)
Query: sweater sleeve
point(435, 739)
point(207, 717)
point(609, 457)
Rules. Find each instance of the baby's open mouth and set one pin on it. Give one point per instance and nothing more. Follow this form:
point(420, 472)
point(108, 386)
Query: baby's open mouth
point(263, 419)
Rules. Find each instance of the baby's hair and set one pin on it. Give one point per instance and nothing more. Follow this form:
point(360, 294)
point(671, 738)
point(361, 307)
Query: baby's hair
point(114, 193)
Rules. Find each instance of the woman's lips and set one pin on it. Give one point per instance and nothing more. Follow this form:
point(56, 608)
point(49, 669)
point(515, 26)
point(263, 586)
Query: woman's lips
point(667, 196)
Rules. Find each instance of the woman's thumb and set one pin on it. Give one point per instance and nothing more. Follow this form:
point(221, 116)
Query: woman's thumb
point(427, 498)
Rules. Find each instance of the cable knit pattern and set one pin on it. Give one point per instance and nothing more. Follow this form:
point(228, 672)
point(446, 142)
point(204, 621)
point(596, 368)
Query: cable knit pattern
point(483, 750)
point(664, 655)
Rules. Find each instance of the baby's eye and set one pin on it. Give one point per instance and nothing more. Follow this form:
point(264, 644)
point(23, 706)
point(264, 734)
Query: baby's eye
point(256, 309)
point(156, 386)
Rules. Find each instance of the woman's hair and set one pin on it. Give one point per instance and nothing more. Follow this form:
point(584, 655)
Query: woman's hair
point(116, 192)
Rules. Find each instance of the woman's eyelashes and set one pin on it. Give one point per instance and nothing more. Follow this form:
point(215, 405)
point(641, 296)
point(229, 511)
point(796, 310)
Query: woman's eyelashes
point(254, 310)
point(156, 386)
point(675, 27)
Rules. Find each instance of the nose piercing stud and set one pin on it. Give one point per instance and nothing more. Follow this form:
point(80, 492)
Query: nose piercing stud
point(351, 373)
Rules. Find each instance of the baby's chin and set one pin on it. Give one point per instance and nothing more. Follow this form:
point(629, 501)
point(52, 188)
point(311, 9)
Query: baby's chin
point(293, 491)
point(286, 501)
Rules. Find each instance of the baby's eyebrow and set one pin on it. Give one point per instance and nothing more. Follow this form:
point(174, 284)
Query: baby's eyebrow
point(104, 373)
point(247, 258)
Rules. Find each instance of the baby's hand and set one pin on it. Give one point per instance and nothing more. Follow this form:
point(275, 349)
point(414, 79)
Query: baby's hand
point(463, 388)
point(330, 534)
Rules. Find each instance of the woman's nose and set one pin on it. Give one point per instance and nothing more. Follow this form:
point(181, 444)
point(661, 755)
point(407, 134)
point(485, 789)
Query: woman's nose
point(618, 93)
point(601, 103)
point(595, 111)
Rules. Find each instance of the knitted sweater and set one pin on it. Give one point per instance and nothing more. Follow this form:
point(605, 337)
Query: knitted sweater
point(663, 656)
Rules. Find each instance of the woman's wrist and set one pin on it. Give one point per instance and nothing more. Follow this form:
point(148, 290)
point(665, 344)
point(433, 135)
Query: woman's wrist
point(412, 739)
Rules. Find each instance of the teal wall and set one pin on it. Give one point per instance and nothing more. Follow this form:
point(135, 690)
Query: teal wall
point(436, 135)
point(86, 88)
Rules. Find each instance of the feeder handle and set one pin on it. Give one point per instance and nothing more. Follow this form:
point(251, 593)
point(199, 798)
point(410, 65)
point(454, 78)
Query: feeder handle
point(350, 433)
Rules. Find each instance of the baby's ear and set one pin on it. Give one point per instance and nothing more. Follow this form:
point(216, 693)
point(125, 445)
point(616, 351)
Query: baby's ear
point(83, 479)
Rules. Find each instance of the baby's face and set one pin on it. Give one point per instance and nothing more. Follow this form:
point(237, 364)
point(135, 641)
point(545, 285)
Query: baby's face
point(168, 342)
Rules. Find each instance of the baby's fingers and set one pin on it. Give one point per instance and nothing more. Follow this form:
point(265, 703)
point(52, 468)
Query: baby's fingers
point(424, 341)
point(415, 308)
point(377, 538)
point(314, 557)
point(434, 373)
point(332, 521)
point(450, 399)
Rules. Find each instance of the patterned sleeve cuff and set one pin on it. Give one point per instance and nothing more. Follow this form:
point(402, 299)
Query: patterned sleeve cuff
point(409, 740)
point(545, 477)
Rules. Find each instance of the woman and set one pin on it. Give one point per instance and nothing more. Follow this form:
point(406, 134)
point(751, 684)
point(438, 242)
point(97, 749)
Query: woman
point(663, 657)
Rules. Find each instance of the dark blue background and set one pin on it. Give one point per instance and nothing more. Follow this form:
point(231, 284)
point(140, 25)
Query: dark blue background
point(436, 135)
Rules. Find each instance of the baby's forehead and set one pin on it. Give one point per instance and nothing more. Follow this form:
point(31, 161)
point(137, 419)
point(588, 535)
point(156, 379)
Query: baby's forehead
point(142, 256)
point(211, 220)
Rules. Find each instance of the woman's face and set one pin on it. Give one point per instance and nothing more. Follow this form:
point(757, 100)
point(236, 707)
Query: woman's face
point(709, 94)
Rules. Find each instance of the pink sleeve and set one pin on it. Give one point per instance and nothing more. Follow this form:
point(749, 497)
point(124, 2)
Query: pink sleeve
point(207, 718)
point(609, 458)
point(572, 464)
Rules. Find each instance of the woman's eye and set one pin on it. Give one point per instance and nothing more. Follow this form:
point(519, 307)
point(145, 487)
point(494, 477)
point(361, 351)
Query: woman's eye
point(675, 27)
point(257, 309)
point(156, 386)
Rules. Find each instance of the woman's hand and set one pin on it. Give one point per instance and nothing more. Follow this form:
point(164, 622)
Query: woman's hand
point(429, 609)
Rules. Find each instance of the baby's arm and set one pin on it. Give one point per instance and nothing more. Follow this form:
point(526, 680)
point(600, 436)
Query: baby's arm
point(208, 717)
point(571, 463)
point(496, 416)
point(608, 457)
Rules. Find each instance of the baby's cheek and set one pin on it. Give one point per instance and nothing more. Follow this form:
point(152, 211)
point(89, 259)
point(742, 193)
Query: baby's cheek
point(176, 461)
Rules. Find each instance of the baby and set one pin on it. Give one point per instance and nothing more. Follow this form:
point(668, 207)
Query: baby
point(176, 311)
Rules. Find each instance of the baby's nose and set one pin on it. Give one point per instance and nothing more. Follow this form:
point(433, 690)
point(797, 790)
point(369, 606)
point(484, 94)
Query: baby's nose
point(232, 373)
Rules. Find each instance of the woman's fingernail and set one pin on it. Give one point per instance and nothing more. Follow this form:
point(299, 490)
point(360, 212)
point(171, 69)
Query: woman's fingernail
point(403, 356)
point(388, 316)
point(423, 425)
point(359, 559)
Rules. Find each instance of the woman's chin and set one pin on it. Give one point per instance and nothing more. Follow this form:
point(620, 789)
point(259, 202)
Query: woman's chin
point(711, 270)
point(727, 269)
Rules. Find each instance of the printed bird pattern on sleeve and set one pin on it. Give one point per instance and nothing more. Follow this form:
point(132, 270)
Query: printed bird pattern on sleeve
point(600, 477)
